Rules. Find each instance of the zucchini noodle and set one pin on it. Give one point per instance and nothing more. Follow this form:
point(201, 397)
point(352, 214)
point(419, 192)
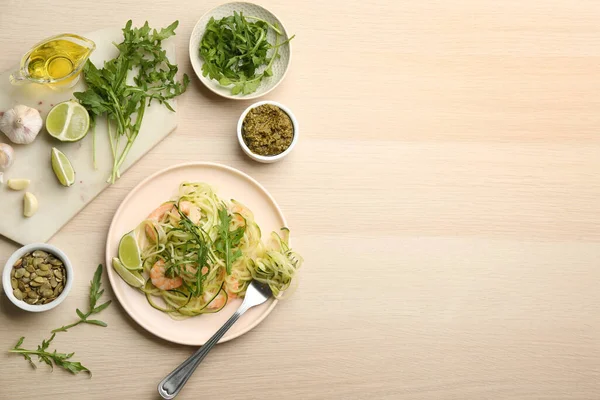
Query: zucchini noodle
point(199, 252)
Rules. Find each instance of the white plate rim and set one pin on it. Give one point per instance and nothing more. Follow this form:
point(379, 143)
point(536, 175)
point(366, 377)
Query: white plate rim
point(227, 337)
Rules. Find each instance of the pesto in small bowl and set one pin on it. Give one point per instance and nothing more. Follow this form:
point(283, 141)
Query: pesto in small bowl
point(267, 131)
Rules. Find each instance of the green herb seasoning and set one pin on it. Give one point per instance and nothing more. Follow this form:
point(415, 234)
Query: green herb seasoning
point(234, 50)
point(267, 130)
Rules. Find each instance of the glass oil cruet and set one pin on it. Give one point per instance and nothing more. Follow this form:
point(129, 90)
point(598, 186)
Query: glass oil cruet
point(56, 61)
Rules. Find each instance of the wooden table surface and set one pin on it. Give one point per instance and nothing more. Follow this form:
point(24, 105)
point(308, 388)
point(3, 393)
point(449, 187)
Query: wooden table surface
point(444, 193)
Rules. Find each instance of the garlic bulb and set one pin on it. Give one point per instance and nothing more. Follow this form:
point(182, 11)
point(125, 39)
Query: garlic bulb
point(7, 156)
point(21, 124)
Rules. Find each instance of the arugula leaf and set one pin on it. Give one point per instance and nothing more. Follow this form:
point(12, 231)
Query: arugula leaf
point(95, 294)
point(59, 359)
point(200, 243)
point(227, 239)
point(234, 50)
point(109, 94)
point(166, 32)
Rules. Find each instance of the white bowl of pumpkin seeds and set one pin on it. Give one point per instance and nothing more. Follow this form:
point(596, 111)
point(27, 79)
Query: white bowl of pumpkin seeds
point(37, 277)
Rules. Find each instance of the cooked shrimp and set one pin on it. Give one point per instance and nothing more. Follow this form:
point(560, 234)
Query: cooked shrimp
point(217, 302)
point(156, 216)
point(157, 275)
point(186, 207)
point(190, 210)
point(240, 212)
point(233, 285)
point(160, 212)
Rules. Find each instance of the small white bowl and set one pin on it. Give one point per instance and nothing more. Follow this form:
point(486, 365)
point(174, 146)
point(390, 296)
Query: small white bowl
point(267, 159)
point(279, 67)
point(48, 248)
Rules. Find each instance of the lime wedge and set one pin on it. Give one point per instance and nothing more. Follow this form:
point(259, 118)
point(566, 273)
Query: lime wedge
point(133, 278)
point(129, 252)
point(68, 121)
point(62, 167)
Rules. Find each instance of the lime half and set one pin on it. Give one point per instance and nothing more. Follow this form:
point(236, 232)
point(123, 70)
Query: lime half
point(129, 252)
point(68, 121)
point(133, 278)
point(62, 167)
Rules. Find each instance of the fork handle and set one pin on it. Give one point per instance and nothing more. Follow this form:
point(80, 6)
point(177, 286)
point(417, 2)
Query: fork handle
point(169, 387)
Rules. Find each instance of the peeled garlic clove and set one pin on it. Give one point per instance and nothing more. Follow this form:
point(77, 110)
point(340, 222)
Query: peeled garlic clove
point(21, 124)
point(18, 184)
point(30, 204)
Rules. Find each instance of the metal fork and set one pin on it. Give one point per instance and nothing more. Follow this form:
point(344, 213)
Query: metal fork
point(256, 294)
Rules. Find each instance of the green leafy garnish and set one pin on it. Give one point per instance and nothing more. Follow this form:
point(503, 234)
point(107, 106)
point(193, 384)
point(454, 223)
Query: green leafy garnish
point(228, 240)
point(124, 105)
point(95, 294)
point(199, 248)
point(235, 49)
point(61, 360)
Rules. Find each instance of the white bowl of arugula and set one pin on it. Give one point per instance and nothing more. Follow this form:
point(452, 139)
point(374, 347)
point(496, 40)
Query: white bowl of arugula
point(240, 50)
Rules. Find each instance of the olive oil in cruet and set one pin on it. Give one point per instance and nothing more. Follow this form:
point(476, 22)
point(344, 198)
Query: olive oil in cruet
point(58, 59)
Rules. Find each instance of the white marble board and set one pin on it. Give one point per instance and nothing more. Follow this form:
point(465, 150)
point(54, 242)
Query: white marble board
point(59, 204)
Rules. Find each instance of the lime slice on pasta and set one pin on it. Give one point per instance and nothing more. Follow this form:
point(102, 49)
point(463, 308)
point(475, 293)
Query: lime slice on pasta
point(133, 278)
point(129, 252)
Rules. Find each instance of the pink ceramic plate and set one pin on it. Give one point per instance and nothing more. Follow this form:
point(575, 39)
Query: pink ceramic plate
point(149, 194)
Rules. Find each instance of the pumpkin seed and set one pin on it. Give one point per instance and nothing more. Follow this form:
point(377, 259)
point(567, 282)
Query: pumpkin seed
point(37, 277)
point(18, 294)
point(40, 253)
point(55, 261)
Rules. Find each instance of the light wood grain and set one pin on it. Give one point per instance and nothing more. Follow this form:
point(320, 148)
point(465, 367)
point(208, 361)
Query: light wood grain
point(444, 193)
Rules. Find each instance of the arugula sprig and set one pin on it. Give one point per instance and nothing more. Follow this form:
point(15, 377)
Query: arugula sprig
point(95, 294)
point(234, 50)
point(227, 239)
point(124, 105)
point(200, 245)
point(61, 360)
